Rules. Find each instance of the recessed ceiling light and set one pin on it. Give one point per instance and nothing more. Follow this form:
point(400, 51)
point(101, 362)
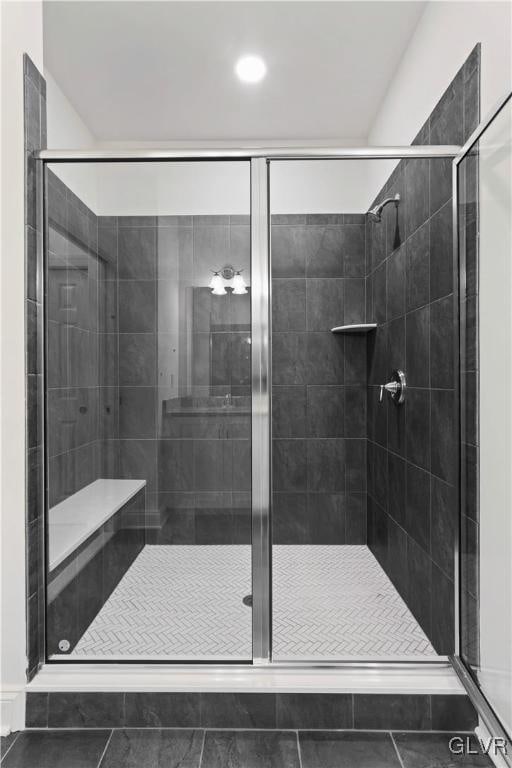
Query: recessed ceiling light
point(250, 69)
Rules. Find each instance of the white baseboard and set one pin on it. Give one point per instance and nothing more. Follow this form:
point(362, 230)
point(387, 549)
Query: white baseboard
point(12, 710)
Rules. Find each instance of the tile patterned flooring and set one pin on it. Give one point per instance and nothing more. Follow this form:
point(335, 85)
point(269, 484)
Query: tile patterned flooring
point(189, 748)
point(185, 602)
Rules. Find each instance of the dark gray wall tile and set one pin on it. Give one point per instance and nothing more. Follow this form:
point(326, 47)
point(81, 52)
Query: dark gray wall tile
point(324, 303)
point(441, 253)
point(289, 465)
point(418, 268)
point(288, 358)
point(325, 411)
point(326, 464)
point(288, 305)
point(417, 333)
point(137, 417)
point(288, 251)
point(136, 252)
point(289, 411)
point(442, 343)
point(137, 359)
point(137, 306)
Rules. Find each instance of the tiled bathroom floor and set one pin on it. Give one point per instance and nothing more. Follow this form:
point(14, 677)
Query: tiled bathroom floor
point(185, 602)
point(161, 748)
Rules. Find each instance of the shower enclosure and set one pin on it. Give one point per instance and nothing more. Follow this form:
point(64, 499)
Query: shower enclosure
point(227, 481)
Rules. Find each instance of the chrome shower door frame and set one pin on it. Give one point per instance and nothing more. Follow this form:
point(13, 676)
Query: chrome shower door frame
point(260, 159)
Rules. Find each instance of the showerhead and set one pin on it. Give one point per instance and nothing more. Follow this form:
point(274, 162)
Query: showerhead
point(375, 214)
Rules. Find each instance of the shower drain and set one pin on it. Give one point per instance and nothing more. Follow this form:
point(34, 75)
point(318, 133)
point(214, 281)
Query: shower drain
point(247, 600)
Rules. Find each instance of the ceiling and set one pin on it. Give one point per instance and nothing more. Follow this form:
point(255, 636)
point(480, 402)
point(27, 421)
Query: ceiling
point(163, 71)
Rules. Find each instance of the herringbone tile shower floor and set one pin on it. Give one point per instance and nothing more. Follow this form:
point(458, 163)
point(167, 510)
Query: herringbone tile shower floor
point(185, 602)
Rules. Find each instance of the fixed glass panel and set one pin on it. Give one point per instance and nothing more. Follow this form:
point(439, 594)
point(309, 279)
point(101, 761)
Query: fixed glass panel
point(485, 237)
point(148, 372)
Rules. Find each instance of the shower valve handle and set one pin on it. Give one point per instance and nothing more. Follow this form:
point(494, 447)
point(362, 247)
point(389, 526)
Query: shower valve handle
point(391, 386)
point(395, 387)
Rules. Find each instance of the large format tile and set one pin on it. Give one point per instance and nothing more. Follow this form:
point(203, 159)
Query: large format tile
point(136, 748)
point(85, 710)
point(6, 742)
point(347, 750)
point(453, 713)
point(441, 253)
point(137, 359)
point(442, 343)
point(137, 306)
point(324, 358)
point(326, 464)
point(417, 325)
point(314, 710)
point(324, 251)
point(418, 268)
point(324, 303)
point(137, 412)
point(325, 411)
point(238, 710)
point(432, 750)
point(288, 305)
point(288, 253)
point(289, 411)
point(257, 749)
point(157, 710)
point(290, 519)
point(57, 749)
point(136, 253)
point(36, 711)
point(289, 358)
point(289, 465)
point(387, 711)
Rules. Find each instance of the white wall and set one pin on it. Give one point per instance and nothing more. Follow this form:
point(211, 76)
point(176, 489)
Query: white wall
point(67, 130)
point(495, 274)
point(148, 189)
point(445, 35)
point(21, 31)
point(144, 190)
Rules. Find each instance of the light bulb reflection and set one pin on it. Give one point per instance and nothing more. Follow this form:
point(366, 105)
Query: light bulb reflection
point(239, 286)
point(217, 285)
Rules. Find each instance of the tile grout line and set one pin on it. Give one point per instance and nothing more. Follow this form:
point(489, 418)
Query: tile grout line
point(396, 749)
point(11, 745)
point(106, 747)
point(200, 763)
point(298, 749)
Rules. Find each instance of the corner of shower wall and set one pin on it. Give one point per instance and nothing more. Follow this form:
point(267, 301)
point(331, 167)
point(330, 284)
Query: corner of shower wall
point(34, 89)
point(412, 471)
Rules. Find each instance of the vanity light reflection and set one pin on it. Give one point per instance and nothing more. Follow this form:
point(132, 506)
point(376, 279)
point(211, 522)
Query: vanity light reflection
point(228, 278)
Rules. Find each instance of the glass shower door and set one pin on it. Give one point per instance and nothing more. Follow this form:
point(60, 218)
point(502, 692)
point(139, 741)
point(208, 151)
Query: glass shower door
point(485, 247)
point(148, 372)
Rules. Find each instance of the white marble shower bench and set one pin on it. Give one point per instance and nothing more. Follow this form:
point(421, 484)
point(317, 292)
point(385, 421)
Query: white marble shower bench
point(74, 520)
